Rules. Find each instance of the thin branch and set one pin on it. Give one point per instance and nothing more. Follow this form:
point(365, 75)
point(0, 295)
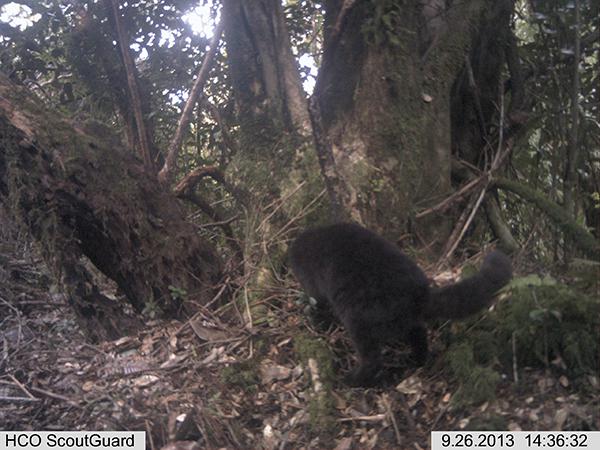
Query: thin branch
point(55, 396)
point(463, 228)
point(193, 178)
point(166, 172)
point(517, 82)
point(134, 92)
point(339, 20)
point(579, 235)
point(23, 388)
point(573, 141)
point(220, 221)
point(453, 197)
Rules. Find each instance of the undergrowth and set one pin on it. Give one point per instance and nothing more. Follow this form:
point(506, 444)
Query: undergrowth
point(543, 324)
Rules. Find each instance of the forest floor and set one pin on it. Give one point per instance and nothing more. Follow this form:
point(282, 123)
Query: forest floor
point(206, 383)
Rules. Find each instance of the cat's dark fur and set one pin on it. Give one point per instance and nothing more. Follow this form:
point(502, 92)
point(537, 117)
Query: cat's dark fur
point(379, 294)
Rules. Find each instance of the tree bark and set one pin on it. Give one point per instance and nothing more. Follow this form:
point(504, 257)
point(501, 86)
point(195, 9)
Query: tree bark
point(276, 155)
point(81, 196)
point(384, 92)
point(264, 73)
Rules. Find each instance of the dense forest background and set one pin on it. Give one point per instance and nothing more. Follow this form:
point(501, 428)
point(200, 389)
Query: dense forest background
point(163, 154)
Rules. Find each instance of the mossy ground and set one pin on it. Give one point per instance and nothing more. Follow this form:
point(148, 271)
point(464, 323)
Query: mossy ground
point(542, 324)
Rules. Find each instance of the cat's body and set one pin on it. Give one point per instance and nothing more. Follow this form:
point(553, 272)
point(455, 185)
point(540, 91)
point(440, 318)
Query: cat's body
point(379, 294)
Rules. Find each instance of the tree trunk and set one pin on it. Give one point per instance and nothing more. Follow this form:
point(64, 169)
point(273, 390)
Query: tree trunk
point(264, 73)
point(276, 162)
point(384, 93)
point(271, 106)
point(100, 68)
point(81, 195)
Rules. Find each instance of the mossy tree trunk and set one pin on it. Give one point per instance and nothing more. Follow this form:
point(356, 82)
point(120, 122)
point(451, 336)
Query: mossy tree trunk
point(384, 91)
point(81, 195)
point(275, 162)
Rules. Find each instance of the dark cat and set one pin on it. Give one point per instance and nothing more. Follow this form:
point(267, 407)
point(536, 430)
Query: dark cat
point(381, 295)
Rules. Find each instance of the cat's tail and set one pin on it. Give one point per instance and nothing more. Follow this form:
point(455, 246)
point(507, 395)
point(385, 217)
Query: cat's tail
point(472, 294)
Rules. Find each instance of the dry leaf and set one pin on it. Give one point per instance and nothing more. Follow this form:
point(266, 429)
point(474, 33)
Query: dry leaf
point(560, 418)
point(270, 372)
point(206, 332)
point(145, 380)
point(344, 444)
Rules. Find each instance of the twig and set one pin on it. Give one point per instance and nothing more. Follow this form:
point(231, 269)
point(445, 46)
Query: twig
point(300, 214)
point(438, 417)
point(205, 207)
point(496, 160)
point(149, 434)
point(315, 376)
point(374, 418)
point(467, 223)
point(407, 415)
point(219, 224)
point(229, 141)
point(486, 176)
point(17, 312)
point(193, 178)
point(248, 311)
point(451, 198)
point(337, 28)
point(514, 357)
point(23, 388)
point(19, 399)
point(388, 408)
point(281, 202)
point(55, 396)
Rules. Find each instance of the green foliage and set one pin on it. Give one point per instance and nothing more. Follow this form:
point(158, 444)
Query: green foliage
point(68, 56)
point(177, 294)
point(550, 322)
point(547, 31)
point(549, 325)
point(151, 309)
point(305, 21)
point(307, 346)
point(490, 422)
point(477, 383)
point(321, 406)
point(243, 374)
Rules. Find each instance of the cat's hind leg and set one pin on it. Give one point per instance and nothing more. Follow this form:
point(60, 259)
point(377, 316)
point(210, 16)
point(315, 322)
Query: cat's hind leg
point(417, 339)
point(368, 346)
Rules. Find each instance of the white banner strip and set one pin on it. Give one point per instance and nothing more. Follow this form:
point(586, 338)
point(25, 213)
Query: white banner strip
point(515, 440)
point(72, 440)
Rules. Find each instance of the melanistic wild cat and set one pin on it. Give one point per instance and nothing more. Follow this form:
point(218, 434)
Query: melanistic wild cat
point(379, 294)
